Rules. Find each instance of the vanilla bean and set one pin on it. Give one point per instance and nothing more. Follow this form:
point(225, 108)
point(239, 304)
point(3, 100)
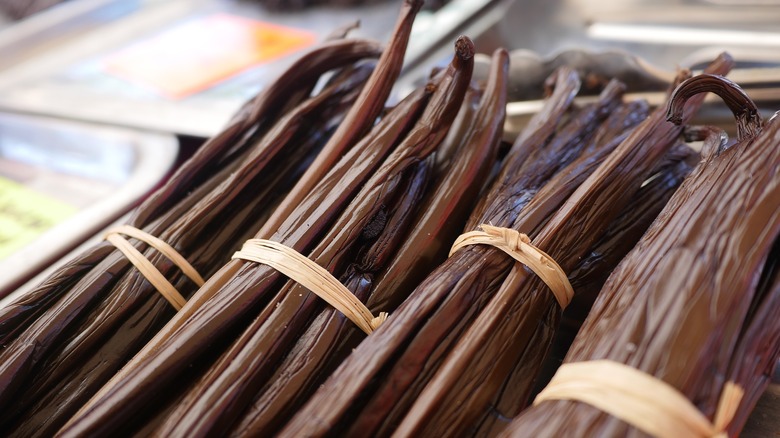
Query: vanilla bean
point(207, 234)
point(450, 199)
point(694, 275)
point(356, 378)
point(310, 219)
point(517, 326)
point(360, 118)
point(587, 279)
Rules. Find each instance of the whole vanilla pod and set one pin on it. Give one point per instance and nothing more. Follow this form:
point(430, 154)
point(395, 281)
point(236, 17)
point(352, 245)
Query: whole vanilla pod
point(379, 85)
point(325, 345)
point(444, 216)
point(360, 118)
point(517, 327)
point(220, 397)
point(588, 278)
point(311, 218)
point(208, 163)
point(130, 311)
point(356, 379)
point(694, 278)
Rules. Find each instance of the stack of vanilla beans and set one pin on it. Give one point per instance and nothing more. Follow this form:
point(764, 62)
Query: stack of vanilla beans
point(377, 196)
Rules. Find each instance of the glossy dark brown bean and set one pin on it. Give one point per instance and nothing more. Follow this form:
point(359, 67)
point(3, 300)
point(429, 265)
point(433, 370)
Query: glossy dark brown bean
point(334, 406)
point(696, 273)
point(360, 118)
point(312, 216)
point(214, 408)
point(207, 234)
point(517, 326)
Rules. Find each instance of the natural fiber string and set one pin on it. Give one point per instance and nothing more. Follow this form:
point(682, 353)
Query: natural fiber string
point(312, 276)
point(519, 247)
point(147, 269)
point(639, 399)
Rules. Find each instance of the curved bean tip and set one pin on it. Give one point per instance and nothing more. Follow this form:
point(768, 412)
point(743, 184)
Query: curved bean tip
point(744, 109)
point(464, 48)
point(675, 118)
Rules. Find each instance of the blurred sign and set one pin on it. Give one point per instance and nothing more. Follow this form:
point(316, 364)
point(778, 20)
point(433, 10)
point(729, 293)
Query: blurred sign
point(199, 53)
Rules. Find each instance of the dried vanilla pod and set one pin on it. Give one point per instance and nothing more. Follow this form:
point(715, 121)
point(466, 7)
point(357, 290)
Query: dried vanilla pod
point(334, 409)
point(359, 119)
point(516, 328)
point(219, 398)
point(460, 127)
point(131, 311)
point(588, 278)
point(694, 277)
point(173, 199)
point(451, 198)
point(312, 217)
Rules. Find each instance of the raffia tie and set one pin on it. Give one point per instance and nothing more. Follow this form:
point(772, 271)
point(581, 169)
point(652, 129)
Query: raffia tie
point(641, 400)
point(313, 277)
point(146, 268)
point(519, 247)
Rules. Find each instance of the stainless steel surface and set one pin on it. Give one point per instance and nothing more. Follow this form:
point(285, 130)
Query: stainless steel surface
point(643, 40)
point(666, 33)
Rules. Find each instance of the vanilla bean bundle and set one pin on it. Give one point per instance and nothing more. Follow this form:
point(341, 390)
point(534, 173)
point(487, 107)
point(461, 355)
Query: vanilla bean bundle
point(112, 310)
point(252, 359)
point(206, 169)
point(587, 279)
point(324, 345)
point(694, 284)
point(365, 398)
point(515, 330)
